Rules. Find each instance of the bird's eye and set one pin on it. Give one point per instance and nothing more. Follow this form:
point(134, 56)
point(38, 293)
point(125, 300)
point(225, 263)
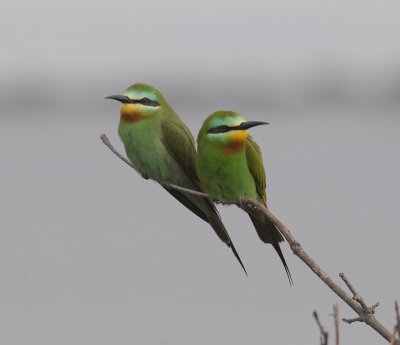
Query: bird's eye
point(220, 129)
point(145, 101)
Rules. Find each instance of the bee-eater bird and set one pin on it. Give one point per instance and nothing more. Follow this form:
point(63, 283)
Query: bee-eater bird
point(230, 166)
point(162, 148)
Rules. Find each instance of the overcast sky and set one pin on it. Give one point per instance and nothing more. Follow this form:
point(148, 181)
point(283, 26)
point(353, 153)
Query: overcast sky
point(67, 43)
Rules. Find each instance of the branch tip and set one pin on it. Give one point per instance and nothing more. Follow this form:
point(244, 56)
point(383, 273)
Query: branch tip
point(323, 332)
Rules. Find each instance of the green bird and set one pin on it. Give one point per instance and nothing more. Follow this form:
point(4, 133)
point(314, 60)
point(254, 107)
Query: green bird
point(162, 148)
point(230, 166)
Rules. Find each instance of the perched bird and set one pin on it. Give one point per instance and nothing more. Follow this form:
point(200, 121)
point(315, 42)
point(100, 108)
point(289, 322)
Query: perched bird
point(162, 148)
point(230, 166)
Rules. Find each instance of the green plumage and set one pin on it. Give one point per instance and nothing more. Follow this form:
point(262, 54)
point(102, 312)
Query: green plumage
point(230, 166)
point(161, 147)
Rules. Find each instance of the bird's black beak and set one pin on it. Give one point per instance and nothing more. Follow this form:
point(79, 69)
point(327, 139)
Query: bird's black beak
point(120, 98)
point(250, 124)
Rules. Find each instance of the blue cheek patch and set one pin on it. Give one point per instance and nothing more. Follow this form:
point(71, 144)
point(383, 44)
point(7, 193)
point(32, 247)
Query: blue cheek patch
point(228, 121)
point(140, 94)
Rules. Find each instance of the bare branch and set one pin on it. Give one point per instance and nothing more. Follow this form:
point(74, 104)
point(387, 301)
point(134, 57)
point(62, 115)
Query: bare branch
point(249, 204)
point(397, 325)
point(350, 321)
point(182, 189)
point(364, 315)
point(356, 296)
point(396, 308)
point(106, 142)
point(336, 319)
point(323, 337)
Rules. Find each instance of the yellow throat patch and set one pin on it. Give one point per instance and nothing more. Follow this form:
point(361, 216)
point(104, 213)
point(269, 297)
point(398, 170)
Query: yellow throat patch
point(131, 113)
point(237, 140)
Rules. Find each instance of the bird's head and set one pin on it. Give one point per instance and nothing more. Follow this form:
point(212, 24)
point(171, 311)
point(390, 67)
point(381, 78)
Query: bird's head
point(140, 102)
point(226, 129)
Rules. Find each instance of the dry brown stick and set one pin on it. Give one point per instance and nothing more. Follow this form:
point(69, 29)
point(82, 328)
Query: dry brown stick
point(364, 315)
point(106, 142)
point(336, 320)
point(356, 297)
point(396, 308)
point(323, 337)
point(397, 325)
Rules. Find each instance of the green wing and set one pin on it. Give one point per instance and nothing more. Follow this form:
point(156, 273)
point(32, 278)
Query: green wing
point(266, 230)
point(180, 144)
point(256, 167)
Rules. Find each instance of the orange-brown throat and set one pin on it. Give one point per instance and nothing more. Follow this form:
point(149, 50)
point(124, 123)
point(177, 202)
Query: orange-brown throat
point(237, 140)
point(131, 113)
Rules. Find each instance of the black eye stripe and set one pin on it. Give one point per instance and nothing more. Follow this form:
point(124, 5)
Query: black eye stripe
point(221, 129)
point(145, 101)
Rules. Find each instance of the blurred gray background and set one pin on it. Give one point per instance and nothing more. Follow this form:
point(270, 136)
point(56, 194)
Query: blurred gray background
point(90, 253)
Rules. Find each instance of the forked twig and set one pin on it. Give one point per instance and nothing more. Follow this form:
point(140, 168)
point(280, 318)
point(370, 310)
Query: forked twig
point(356, 297)
point(323, 336)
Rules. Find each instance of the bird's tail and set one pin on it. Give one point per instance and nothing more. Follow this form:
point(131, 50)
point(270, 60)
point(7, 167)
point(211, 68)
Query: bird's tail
point(206, 210)
point(216, 223)
point(268, 233)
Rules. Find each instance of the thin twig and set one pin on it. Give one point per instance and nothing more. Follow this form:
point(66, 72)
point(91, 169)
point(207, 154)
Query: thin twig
point(397, 325)
point(323, 337)
point(254, 205)
point(357, 297)
point(336, 320)
point(396, 308)
point(106, 142)
point(182, 189)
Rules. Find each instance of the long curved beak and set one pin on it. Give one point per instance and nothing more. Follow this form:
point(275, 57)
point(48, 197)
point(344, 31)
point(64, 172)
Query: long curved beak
point(120, 98)
point(250, 124)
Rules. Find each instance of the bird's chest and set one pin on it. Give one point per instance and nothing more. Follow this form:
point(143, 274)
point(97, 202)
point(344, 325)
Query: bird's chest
point(227, 175)
point(146, 152)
